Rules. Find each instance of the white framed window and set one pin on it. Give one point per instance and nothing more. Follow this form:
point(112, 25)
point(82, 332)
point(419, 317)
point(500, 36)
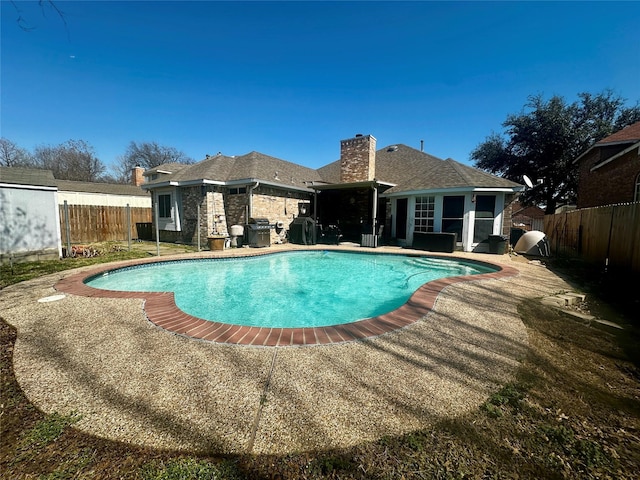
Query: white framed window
point(425, 213)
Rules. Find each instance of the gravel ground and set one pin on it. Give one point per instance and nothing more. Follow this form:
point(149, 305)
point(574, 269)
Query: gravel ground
point(136, 383)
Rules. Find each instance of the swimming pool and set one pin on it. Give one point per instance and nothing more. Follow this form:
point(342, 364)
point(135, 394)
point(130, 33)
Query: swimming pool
point(289, 289)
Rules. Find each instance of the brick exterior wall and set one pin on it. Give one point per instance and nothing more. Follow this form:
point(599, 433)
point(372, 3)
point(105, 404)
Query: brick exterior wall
point(507, 213)
point(216, 218)
point(278, 206)
point(610, 184)
point(358, 159)
point(211, 204)
point(219, 210)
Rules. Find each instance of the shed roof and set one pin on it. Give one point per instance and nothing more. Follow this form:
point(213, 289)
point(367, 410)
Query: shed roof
point(27, 176)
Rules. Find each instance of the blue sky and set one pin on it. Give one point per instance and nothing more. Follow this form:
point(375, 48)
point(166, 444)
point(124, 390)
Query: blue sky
point(292, 79)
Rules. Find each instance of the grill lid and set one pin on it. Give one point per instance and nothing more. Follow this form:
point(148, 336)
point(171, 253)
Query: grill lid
point(259, 221)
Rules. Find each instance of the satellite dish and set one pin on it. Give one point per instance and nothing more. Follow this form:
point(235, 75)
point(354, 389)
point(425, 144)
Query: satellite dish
point(528, 181)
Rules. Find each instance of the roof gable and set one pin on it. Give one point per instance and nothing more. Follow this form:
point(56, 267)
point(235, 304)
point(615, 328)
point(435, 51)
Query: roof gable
point(610, 147)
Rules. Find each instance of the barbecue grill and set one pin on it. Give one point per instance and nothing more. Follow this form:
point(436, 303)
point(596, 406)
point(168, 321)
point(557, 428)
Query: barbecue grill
point(259, 232)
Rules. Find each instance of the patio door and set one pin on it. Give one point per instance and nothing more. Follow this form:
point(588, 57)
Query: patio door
point(453, 215)
point(401, 218)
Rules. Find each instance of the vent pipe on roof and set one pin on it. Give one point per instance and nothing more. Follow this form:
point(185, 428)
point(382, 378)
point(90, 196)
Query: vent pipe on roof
point(422, 145)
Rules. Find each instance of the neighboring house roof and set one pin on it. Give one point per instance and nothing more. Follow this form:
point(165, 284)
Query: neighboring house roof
point(45, 178)
point(629, 134)
point(626, 139)
point(27, 176)
point(104, 188)
point(530, 212)
point(412, 170)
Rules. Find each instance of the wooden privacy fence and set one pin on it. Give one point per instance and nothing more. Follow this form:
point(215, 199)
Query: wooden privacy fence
point(97, 223)
point(608, 236)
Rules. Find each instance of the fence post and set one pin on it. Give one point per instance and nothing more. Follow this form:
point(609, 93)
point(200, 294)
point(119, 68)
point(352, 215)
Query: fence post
point(155, 214)
point(67, 227)
point(198, 227)
point(606, 261)
point(129, 226)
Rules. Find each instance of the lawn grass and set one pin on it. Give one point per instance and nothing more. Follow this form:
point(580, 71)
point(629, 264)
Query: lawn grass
point(572, 411)
point(11, 273)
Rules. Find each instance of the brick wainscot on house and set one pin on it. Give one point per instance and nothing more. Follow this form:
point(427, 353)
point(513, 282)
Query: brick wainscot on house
point(396, 193)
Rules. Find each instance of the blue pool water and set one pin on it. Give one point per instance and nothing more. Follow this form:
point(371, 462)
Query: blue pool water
point(291, 289)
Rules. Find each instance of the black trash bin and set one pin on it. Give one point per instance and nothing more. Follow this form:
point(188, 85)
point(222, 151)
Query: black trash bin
point(144, 231)
point(497, 244)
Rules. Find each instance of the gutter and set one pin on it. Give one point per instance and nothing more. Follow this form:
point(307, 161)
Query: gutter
point(29, 187)
point(244, 181)
point(453, 190)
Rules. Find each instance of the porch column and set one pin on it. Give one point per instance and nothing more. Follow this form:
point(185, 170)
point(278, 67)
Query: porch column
point(375, 209)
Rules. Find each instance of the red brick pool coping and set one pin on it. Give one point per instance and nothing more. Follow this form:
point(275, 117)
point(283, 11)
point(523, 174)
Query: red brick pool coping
point(162, 311)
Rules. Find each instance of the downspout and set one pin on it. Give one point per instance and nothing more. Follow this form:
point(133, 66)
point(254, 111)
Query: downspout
point(250, 213)
point(315, 206)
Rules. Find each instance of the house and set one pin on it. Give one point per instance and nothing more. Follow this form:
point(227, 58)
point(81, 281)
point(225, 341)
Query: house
point(527, 218)
point(102, 194)
point(227, 190)
point(397, 190)
point(29, 217)
point(609, 171)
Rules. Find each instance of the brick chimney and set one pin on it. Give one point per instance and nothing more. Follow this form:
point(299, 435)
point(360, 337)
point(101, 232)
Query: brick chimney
point(358, 159)
point(137, 177)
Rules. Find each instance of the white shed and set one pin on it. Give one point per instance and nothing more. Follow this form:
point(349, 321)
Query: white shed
point(29, 219)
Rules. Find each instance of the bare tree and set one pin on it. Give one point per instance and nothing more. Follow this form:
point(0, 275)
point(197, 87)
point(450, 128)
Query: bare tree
point(25, 25)
point(11, 155)
point(146, 155)
point(72, 160)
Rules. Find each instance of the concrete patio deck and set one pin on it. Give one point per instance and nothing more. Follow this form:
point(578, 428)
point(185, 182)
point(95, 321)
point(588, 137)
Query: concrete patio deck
point(135, 382)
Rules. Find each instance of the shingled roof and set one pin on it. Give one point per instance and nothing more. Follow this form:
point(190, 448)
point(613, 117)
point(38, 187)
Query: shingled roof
point(412, 170)
point(407, 168)
point(629, 134)
point(615, 144)
point(27, 176)
point(252, 166)
point(96, 187)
